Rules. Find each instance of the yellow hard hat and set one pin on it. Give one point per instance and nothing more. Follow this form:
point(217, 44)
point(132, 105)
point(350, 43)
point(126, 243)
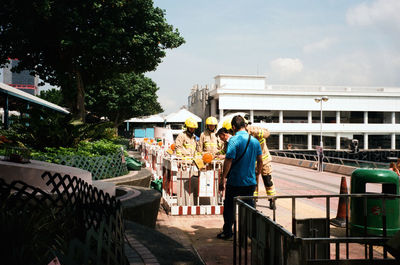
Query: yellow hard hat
point(191, 123)
point(227, 124)
point(211, 121)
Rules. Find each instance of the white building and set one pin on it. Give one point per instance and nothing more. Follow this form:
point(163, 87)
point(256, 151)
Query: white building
point(290, 113)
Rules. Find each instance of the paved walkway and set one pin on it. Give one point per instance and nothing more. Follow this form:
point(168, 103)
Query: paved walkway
point(192, 239)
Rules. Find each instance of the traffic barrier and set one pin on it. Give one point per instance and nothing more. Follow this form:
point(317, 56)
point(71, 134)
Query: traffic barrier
point(190, 191)
point(343, 206)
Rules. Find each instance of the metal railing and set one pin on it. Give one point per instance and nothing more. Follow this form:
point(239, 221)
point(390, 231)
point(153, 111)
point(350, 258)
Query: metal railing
point(259, 239)
point(332, 160)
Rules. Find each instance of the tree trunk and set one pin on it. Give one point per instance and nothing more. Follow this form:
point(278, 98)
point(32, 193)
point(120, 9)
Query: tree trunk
point(116, 124)
point(79, 112)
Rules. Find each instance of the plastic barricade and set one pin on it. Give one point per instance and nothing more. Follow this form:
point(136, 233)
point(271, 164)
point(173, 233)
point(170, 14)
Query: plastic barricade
point(190, 191)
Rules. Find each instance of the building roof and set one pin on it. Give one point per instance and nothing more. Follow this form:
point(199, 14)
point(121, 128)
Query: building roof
point(181, 116)
point(147, 119)
point(14, 92)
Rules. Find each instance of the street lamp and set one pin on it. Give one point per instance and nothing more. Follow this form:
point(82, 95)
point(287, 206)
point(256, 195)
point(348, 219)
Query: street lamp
point(320, 100)
point(320, 150)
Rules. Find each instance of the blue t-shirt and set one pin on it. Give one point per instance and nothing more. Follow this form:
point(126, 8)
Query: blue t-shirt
point(243, 173)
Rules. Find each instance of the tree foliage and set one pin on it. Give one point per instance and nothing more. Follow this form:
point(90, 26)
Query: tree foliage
point(54, 96)
point(41, 128)
point(123, 97)
point(74, 43)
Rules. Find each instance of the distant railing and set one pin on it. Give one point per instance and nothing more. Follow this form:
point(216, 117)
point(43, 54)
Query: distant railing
point(375, 155)
point(332, 160)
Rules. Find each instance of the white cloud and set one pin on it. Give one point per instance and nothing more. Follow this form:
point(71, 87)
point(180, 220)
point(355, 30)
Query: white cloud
point(286, 66)
point(357, 68)
point(384, 12)
point(321, 45)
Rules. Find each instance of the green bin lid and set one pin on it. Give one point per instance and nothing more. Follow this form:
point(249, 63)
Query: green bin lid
point(375, 175)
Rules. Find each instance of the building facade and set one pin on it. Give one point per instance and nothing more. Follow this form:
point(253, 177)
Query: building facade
point(23, 80)
point(369, 114)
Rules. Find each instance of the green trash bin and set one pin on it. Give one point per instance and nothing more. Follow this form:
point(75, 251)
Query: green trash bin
point(389, 182)
point(133, 163)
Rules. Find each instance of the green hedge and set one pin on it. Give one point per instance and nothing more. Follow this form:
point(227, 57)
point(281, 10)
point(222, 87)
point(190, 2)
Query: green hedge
point(102, 158)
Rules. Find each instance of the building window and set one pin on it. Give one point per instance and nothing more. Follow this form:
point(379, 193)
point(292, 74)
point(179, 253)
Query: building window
point(266, 116)
point(379, 117)
point(345, 143)
point(351, 117)
point(295, 117)
point(328, 117)
point(295, 141)
point(379, 141)
point(273, 142)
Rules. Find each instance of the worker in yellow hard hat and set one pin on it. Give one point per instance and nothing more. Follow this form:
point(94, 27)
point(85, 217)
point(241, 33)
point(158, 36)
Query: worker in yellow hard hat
point(261, 134)
point(227, 125)
point(209, 142)
point(185, 143)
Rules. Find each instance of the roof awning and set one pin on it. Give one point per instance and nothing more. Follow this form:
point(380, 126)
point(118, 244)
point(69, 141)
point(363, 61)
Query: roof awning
point(14, 92)
point(148, 119)
point(181, 116)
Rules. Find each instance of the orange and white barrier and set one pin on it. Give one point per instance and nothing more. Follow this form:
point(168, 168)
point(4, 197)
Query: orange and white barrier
point(196, 210)
point(186, 189)
point(189, 191)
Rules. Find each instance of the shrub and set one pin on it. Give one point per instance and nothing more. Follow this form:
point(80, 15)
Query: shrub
point(39, 129)
point(88, 149)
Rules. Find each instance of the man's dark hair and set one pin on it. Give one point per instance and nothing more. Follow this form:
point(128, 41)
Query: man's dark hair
point(238, 122)
point(221, 131)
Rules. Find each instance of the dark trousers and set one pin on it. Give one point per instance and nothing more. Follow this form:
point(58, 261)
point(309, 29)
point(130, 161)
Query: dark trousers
point(267, 180)
point(230, 193)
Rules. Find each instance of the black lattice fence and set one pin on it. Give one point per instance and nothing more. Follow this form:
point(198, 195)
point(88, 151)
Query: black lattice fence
point(101, 167)
point(75, 222)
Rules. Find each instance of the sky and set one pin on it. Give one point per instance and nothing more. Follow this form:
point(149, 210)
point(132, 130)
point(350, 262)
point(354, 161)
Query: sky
point(292, 42)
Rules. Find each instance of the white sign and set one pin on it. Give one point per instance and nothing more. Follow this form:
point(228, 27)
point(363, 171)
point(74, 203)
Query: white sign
point(206, 184)
point(165, 134)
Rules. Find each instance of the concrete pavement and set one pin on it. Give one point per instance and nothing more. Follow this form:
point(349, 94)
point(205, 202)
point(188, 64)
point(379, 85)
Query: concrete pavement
point(192, 239)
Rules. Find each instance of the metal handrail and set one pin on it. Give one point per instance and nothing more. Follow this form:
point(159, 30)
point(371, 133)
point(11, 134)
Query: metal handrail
point(330, 159)
point(286, 247)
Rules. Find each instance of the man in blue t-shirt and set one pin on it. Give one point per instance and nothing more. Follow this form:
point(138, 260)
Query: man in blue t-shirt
point(239, 171)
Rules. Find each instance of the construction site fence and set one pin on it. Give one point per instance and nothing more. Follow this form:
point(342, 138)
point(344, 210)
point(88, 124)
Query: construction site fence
point(190, 191)
point(260, 239)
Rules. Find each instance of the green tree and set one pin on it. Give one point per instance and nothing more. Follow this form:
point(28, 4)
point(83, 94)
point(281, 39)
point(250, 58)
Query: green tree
point(73, 43)
point(54, 96)
point(123, 97)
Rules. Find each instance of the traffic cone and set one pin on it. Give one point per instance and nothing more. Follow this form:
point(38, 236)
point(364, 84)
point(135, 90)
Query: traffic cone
point(342, 210)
